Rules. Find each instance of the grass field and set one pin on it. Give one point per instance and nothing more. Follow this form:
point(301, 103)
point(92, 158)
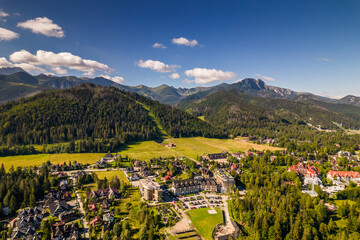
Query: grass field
point(110, 174)
point(38, 159)
point(205, 222)
point(190, 147)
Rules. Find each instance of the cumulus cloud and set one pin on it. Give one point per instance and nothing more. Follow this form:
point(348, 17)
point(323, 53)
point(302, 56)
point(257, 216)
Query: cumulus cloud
point(3, 15)
point(7, 35)
point(59, 61)
point(204, 75)
point(324, 59)
point(266, 78)
point(59, 70)
point(158, 45)
point(43, 25)
point(116, 79)
point(175, 76)
point(185, 41)
point(30, 67)
point(5, 63)
point(156, 66)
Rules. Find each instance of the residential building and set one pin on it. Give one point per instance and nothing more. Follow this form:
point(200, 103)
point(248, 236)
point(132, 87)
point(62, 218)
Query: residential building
point(195, 185)
point(150, 189)
point(225, 179)
point(345, 176)
point(215, 157)
point(304, 170)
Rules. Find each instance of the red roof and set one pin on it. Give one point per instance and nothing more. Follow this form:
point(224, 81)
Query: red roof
point(305, 169)
point(95, 220)
point(344, 174)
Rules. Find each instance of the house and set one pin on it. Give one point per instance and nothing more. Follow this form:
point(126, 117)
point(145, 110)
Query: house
point(215, 157)
point(134, 177)
point(58, 207)
point(96, 221)
point(345, 176)
point(145, 171)
point(104, 193)
point(129, 170)
point(30, 217)
point(67, 196)
point(65, 231)
point(92, 207)
point(315, 180)
point(343, 154)
point(68, 216)
point(108, 156)
point(304, 170)
point(108, 217)
point(105, 205)
point(101, 164)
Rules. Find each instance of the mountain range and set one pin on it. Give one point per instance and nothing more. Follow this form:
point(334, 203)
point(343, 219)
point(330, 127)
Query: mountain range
point(243, 103)
point(15, 83)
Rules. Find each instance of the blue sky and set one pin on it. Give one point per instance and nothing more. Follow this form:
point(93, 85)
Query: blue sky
point(311, 46)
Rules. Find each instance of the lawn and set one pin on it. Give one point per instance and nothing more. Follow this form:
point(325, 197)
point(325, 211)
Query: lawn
point(110, 174)
point(38, 159)
point(205, 222)
point(146, 150)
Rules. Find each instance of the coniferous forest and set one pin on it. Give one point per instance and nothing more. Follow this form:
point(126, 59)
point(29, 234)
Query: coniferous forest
point(101, 118)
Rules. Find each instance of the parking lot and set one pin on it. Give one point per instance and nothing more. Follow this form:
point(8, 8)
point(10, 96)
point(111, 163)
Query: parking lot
point(200, 201)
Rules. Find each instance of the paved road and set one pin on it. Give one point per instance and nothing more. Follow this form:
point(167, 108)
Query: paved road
point(84, 222)
point(89, 170)
point(226, 210)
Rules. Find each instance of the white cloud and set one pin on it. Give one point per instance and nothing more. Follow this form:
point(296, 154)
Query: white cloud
point(30, 67)
point(59, 70)
point(204, 75)
point(5, 63)
point(156, 66)
point(324, 59)
point(184, 41)
point(43, 25)
point(6, 35)
point(61, 60)
point(158, 45)
point(116, 79)
point(175, 76)
point(26, 66)
point(266, 78)
point(3, 14)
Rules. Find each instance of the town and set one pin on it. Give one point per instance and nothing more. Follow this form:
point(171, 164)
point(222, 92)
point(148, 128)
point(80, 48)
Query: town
point(109, 197)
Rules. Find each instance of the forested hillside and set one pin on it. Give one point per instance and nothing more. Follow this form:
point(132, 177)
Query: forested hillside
point(93, 113)
point(240, 114)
